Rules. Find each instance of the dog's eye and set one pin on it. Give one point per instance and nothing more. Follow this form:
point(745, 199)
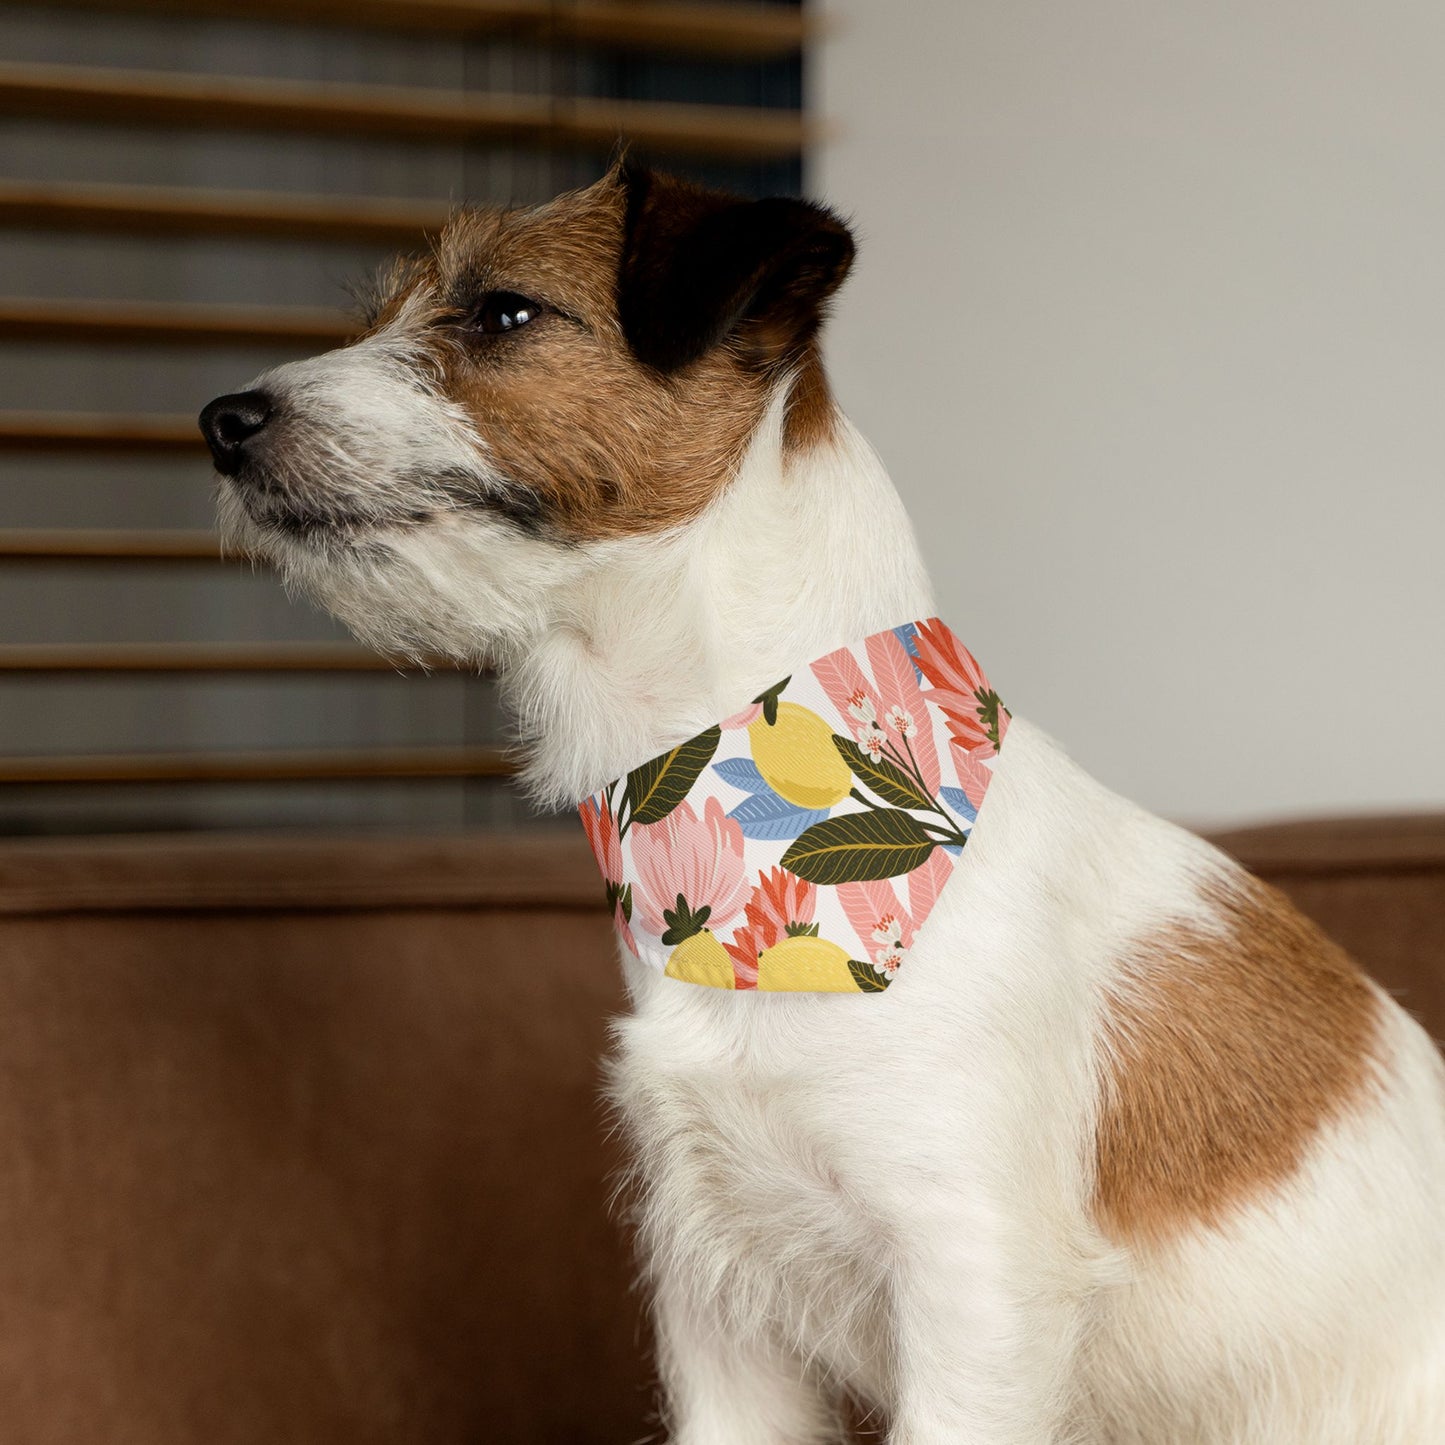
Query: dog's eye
point(504, 311)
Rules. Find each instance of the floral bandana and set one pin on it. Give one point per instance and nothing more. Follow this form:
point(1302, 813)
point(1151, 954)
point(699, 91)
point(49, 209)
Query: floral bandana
point(772, 851)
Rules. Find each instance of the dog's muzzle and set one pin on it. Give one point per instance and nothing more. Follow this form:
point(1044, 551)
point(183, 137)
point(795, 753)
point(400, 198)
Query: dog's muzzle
point(230, 423)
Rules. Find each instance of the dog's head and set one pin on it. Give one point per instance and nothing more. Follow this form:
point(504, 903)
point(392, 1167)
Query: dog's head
point(542, 384)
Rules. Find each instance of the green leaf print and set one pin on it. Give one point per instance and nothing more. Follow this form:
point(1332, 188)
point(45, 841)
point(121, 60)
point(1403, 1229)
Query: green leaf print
point(886, 779)
point(682, 922)
point(656, 788)
point(868, 979)
point(769, 700)
point(989, 707)
point(859, 848)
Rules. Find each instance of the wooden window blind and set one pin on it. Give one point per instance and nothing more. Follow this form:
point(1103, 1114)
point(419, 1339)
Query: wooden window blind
point(186, 186)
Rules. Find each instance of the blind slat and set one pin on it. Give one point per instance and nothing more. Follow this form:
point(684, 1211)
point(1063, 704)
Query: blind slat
point(172, 211)
point(219, 102)
point(189, 657)
point(712, 29)
point(84, 431)
point(89, 544)
point(272, 766)
point(171, 323)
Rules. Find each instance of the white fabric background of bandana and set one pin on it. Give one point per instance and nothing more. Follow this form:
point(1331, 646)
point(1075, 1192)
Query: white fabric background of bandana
point(801, 844)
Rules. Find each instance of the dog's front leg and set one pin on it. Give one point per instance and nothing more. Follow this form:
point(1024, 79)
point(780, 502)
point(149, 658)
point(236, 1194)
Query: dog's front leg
point(985, 1337)
point(724, 1387)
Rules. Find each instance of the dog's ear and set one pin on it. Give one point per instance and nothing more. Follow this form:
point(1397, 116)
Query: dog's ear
point(699, 266)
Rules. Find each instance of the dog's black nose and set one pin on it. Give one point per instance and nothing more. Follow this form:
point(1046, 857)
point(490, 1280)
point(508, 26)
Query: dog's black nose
point(229, 422)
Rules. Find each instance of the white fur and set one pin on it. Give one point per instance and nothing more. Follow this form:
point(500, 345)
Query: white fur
point(891, 1196)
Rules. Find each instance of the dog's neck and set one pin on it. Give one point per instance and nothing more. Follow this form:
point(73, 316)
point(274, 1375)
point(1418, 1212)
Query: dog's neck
point(664, 636)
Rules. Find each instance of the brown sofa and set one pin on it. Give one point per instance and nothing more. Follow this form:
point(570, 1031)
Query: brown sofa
point(302, 1140)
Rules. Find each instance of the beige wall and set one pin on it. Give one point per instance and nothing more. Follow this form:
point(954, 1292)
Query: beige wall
point(1149, 323)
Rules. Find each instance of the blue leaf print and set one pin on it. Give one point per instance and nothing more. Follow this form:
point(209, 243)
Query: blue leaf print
point(767, 816)
point(741, 773)
point(957, 799)
point(908, 636)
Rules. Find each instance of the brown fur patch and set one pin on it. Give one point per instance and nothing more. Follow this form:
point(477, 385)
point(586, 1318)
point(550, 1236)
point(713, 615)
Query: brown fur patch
point(1226, 1053)
point(812, 415)
point(606, 445)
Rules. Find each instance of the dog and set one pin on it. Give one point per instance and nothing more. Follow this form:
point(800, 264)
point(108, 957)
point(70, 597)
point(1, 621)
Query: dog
point(1126, 1151)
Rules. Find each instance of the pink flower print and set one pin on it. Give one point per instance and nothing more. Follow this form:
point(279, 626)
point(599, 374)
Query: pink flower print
point(888, 931)
point(889, 957)
point(860, 706)
point(601, 830)
point(901, 721)
point(887, 963)
point(600, 826)
point(848, 690)
point(975, 716)
point(782, 904)
point(780, 900)
point(697, 859)
point(884, 927)
point(745, 950)
point(873, 741)
point(898, 685)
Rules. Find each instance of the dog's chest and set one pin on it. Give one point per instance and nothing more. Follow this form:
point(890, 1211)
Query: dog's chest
point(754, 1169)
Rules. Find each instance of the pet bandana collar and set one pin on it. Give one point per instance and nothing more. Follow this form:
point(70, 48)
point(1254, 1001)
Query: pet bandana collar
point(771, 851)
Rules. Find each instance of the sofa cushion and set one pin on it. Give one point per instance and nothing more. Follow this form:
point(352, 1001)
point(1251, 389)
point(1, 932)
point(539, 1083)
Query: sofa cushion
point(302, 1137)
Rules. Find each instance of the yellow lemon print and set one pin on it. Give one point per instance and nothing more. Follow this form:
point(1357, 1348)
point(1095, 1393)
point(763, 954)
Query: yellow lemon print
point(702, 959)
point(797, 758)
point(812, 965)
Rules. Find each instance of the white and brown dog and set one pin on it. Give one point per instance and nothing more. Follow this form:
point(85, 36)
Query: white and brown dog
point(1130, 1154)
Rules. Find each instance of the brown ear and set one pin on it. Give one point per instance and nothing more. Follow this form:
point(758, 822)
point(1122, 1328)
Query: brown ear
point(698, 266)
